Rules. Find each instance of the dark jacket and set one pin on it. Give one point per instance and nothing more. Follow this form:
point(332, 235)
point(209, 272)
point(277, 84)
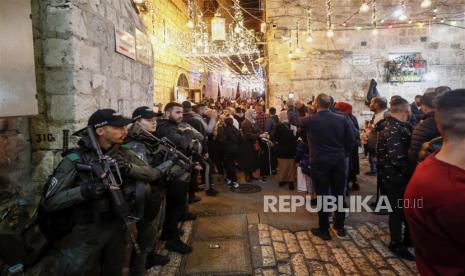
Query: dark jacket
point(284, 140)
point(170, 130)
point(392, 149)
point(416, 112)
point(249, 134)
point(423, 132)
point(330, 136)
point(302, 157)
point(230, 137)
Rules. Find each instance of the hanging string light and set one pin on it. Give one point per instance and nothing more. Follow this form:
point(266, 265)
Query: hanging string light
point(297, 50)
point(309, 25)
point(364, 7)
point(373, 17)
point(425, 4)
point(329, 24)
point(401, 13)
point(190, 8)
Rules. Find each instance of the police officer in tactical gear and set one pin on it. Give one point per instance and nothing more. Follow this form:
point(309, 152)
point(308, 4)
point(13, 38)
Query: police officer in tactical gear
point(98, 233)
point(145, 118)
point(177, 189)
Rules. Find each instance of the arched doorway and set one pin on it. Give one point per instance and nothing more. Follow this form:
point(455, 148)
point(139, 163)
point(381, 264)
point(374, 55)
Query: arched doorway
point(181, 90)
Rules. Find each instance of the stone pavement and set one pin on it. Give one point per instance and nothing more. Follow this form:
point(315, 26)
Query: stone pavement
point(281, 252)
point(233, 236)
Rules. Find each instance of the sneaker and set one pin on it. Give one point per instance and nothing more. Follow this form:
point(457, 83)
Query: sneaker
point(178, 246)
point(154, 259)
point(263, 180)
point(324, 235)
point(211, 192)
point(187, 216)
point(194, 199)
point(401, 251)
point(235, 185)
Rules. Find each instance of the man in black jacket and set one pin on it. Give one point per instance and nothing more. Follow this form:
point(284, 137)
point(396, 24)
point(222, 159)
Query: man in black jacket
point(392, 149)
point(426, 130)
point(417, 108)
point(330, 140)
point(176, 193)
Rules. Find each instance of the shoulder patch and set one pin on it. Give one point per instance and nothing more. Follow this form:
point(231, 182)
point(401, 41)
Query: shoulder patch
point(125, 147)
point(73, 156)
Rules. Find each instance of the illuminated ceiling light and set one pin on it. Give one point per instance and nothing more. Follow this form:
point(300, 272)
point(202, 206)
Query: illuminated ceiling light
point(434, 17)
point(398, 12)
point(403, 17)
point(364, 7)
point(190, 24)
point(330, 33)
point(435, 10)
point(426, 4)
point(442, 20)
point(420, 24)
point(344, 24)
point(218, 28)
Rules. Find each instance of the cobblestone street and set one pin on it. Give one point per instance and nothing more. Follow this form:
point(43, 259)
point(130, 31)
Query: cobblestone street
point(283, 245)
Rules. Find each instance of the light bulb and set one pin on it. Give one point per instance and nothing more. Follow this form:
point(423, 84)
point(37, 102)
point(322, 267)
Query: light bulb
point(231, 50)
point(237, 29)
point(364, 7)
point(241, 44)
point(426, 4)
point(375, 31)
point(403, 17)
point(329, 33)
point(190, 24)
point(309, 38)
point(410, 21)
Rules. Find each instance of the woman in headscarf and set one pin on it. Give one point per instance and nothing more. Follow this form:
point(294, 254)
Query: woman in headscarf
point(285, 149)
point(250, 135)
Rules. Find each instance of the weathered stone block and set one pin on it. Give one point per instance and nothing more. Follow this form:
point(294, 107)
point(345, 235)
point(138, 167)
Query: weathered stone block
point(58, 52)
point(86, 56)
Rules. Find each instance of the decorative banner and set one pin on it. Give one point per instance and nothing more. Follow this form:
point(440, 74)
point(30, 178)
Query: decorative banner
point(125, 43)
point(360, 59)
point(143, 48)
point(407, 67)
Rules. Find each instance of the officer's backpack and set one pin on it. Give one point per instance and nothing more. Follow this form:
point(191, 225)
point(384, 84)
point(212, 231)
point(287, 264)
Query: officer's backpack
point(56, 224)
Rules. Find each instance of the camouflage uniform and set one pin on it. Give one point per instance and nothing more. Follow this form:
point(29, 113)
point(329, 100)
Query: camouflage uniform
point(97, 231)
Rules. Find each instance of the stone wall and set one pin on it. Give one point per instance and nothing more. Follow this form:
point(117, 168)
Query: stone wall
point(78, 71)
point(325, 65)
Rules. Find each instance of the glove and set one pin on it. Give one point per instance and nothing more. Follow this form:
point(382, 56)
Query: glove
point(93, 190)
point(123, 165)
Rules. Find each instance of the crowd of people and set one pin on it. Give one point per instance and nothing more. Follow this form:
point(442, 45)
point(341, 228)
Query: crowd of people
point(165, 158)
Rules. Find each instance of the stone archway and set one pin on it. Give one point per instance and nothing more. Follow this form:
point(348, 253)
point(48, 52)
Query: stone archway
point(181, 90)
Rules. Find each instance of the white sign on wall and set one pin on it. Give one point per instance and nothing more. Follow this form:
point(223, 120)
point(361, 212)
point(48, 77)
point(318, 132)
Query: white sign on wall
point(125, 43)
point(361, 59)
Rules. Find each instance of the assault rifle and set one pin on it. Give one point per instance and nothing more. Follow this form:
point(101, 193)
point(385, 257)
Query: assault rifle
point(162, 146)
point(106, 168)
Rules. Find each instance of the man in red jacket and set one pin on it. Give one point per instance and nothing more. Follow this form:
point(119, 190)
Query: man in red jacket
point(437, 189)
